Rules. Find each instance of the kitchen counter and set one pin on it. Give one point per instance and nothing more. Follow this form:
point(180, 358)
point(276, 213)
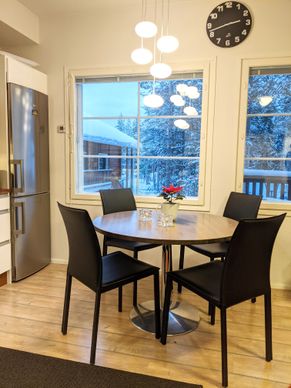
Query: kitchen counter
point(4, 192)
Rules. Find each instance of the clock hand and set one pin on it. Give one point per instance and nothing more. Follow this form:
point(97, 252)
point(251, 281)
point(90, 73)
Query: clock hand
point(224, 25)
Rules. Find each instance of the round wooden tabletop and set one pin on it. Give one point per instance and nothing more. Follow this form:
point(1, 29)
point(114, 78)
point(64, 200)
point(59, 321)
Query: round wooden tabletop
point(189, 228)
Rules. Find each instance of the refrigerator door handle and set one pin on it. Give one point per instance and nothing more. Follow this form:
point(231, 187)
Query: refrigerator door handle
point(17, 175)
point(19, 230)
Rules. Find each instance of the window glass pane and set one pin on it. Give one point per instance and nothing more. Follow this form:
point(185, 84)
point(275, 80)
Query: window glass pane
point(270, 93)
point(155, 173)
point(122, 143)
point(160, 137)
point(113, 137)
point(113, 99)
point(268, 136)
point(267, 169)
point(270, 179)
point(167, 88)
point(119, 172)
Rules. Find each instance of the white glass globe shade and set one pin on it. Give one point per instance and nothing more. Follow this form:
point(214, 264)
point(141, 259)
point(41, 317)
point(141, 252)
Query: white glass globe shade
point(153, 101)
point(182, 89)
point(265, 100)
point(160, 70)
point(190, 111)
point(167, 44)
point(142, 56)
point(192, 92)
point(177, 100)
point(146, 29)
point(181, 124)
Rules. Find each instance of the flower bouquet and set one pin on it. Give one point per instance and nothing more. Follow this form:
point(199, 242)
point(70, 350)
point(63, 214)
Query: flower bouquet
point(171, 194)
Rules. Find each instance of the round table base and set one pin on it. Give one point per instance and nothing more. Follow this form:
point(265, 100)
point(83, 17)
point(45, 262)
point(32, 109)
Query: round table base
point(183, 317)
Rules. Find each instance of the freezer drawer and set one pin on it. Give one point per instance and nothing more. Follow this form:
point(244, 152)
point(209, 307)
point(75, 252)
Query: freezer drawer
point(31, 235)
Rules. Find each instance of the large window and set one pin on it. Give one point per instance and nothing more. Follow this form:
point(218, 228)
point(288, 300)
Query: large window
point(120, 142)
point(267, 148)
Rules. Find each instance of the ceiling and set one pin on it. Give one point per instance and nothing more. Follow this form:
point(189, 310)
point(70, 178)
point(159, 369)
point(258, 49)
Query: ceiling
point(52, 7)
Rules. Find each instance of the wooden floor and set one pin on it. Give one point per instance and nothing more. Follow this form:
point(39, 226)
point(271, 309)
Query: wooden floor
point(30, 316)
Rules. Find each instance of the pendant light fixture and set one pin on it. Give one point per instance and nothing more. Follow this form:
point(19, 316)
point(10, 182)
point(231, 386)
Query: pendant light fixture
point(192, 92)
point(153, 100)
point(265, 100)
point(160, 70)
point(190, 111)
point(181, 124)
point(167, 43)
point(177, 100)
point(144, 29)
point(142, 56)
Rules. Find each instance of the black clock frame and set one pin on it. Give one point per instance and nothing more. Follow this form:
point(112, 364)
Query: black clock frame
point(228, 24)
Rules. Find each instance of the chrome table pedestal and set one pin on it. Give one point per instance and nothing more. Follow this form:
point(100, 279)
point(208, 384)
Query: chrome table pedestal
point(183, 317)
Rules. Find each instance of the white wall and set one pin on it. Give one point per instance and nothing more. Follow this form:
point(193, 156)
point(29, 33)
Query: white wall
point(106, 39)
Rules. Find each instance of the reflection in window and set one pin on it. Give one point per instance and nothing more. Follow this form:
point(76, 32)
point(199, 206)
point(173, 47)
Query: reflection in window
point(267, 167)
point(123, 143)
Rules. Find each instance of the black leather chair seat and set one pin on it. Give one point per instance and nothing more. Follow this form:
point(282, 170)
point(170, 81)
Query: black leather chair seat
point(211, 250)
point(130, 245)
point(203, 279)
point(127, 270)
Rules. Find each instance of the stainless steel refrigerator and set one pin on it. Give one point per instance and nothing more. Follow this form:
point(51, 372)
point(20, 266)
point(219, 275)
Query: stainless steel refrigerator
point(29, 180)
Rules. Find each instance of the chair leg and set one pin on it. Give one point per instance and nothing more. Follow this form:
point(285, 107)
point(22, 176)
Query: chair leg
point(66, 303)
point(224, 347)
point(212, 313)
point(254, 300)
point(167, 302)
point(134, 300)
point(95, 328)
point(181, 264)
point(104, 249)
point(268, 326)
point(157, 304)
point(119, 299)
point(170, 258)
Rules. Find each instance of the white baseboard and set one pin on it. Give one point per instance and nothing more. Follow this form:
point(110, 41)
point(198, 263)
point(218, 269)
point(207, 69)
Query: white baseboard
point(281, 286)
point(58, 261)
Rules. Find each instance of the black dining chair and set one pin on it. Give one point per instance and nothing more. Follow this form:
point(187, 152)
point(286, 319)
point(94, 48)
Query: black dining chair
point(239, 206)
point(244, 274)
point(114, 201)
point(100, 274)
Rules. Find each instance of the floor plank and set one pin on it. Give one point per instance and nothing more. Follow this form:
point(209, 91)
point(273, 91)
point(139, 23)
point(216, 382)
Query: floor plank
point(31, 313)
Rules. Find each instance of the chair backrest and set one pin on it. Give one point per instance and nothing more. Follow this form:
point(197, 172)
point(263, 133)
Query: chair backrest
point(246, 272)
point(117, 200)
point(241, 206)
point(85, 263)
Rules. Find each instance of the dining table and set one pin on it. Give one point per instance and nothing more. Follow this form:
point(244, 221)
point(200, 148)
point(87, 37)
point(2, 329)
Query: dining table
point(189, 228)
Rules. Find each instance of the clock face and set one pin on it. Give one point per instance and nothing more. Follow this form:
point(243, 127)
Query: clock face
point(229, 24)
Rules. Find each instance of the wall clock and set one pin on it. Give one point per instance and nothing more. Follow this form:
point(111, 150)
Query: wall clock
point(229, 24)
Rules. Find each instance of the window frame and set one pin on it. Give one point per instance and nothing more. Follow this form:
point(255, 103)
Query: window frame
point(246, 65)
point(203, 200)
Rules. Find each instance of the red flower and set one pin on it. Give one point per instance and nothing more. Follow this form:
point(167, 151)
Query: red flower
point(172, 189)
point(172, 193)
